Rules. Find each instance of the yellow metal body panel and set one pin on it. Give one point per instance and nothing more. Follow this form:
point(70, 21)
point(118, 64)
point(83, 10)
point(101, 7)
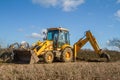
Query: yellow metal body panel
point(42, 47)
point(65, 45)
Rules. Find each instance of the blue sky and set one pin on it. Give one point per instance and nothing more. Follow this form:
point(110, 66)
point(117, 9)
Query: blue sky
point(23, 20)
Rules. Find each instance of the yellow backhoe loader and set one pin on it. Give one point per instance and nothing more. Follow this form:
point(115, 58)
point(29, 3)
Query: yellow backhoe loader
point(56, 45)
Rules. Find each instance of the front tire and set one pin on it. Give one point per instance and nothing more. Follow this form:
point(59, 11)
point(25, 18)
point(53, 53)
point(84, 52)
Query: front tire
point(67, 55)
point(48, 57)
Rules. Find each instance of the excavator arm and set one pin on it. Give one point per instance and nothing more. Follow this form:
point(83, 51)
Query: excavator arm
point(93, 42)
point(81, 42)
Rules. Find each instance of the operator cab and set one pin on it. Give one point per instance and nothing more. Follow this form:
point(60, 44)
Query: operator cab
point(59, 36)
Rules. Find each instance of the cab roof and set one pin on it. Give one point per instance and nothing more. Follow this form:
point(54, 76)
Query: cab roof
point(63, 29)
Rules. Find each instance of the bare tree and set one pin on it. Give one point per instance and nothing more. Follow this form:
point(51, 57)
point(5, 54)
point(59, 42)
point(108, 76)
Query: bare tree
point(114, 42)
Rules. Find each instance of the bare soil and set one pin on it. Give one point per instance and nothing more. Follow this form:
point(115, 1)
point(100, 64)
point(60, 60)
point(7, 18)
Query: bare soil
point(83, 69)
point(61, 71)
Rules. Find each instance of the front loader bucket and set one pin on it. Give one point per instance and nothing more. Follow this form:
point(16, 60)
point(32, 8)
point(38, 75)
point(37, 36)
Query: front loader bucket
point(21, 56)
point(34, 58)
point(15, 55)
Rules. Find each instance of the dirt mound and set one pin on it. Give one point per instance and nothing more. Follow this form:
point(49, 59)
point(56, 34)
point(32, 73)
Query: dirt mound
point(61, 71)
point(89, 55)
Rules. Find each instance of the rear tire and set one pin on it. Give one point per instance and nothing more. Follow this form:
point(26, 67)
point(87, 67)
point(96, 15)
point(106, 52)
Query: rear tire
point(48, 57)
point(67, 55)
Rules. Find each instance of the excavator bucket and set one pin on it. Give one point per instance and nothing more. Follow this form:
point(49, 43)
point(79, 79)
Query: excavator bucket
point(34, 58)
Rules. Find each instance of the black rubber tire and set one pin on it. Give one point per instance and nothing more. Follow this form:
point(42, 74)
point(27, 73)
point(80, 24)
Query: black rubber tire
point(64, 53)
point(105, 55)
point(46, 57)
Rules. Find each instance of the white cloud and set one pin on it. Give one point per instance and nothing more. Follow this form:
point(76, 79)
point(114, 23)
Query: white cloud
point(117, 14)
point(35, 36)
point(66, 5)
point(38, 35)
point(45, 2)
point(118, 1)
point(69, 5)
